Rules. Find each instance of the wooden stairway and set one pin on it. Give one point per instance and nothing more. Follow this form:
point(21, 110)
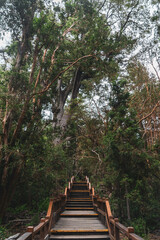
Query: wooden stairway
point(79, 220)
point(79, 214)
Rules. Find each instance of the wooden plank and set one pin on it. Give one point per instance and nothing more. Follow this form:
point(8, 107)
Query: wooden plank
point(80, 184)
point(101, 212)
point(25, 236)
point(80, 200)
point(79, 208)
point(83, 199)
point(80, 231)
point(108, 209)
point(79, 237)
point(79, 191)
point(78, 212)
point(79, 215)
point(135, 237)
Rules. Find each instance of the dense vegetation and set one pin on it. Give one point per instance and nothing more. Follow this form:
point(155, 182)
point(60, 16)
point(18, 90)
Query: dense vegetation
point(79, 95)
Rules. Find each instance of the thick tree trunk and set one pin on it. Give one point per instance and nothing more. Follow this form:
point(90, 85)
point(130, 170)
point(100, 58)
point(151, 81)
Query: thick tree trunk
point(61, 117)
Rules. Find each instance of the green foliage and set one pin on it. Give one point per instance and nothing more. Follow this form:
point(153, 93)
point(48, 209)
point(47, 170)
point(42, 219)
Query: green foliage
point(3, 233)
point(18, 209)
point(125, 155)
point(35, 220)
point(140, 227)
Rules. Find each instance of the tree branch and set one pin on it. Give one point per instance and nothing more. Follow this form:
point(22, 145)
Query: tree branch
point(60, 73)
point(3, 50)
point(155, 107)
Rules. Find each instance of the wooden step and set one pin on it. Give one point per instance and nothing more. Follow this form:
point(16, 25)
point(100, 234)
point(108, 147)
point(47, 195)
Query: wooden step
point(79, 208)
point(79, 187)
point(80, 203)
point(80, 184)
point(78, 199)
point(81, 237)
point(79, 191)
point(88, 231)
point(79, 215)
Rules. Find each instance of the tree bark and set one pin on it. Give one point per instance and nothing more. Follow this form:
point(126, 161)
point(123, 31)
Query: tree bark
point(127, 202)
point(60, 117)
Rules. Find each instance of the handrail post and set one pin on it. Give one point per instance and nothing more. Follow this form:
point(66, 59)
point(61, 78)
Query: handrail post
point(42, 231)
point(130, 230)
point(49, 215)
point(116, 230)
point(31, 230)
point(87, 179)
point(92, 191)
point(111, 227)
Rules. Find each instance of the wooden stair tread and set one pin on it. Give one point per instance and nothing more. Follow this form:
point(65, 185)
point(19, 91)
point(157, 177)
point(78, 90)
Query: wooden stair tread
point(80, 231)
point(80, 184)
point(81, 191)
point(78, 212)
point(79, 208)
point(91, 236)
point(79, 215)
point(80, 200)
point(83, 199)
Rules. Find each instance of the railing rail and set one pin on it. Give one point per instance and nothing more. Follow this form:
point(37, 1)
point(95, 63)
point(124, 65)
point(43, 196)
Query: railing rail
point(102, 206)
point(55, 207)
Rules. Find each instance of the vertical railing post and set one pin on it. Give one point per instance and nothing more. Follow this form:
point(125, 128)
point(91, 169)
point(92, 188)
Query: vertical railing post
point(30, 229)
point(116, 230)
point(130, 230)
point(111, 225)
point(43, 230)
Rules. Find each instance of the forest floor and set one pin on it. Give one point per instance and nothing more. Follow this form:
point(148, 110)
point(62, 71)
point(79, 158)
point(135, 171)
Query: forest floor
point(155, 235)
point(19, 223)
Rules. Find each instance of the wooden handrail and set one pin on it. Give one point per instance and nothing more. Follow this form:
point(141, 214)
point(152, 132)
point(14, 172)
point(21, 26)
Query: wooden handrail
point(102, 206)
point(92, 191)
point(50, 207)
point(72, 179)
point(87, 179)
point(108, 208)
point(55, 206)
point(65, 192)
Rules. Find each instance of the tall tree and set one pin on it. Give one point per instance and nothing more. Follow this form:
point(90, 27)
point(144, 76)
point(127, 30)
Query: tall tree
point(54, 55)
point(124, 146)
point(146, 100)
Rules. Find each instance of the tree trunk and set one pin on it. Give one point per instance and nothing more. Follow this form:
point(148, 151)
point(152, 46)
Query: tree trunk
point(61, 117)
point(127, 202)
point(7, 189)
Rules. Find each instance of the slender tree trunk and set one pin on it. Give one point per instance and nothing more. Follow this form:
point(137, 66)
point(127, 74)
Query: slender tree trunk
point(127, 202)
